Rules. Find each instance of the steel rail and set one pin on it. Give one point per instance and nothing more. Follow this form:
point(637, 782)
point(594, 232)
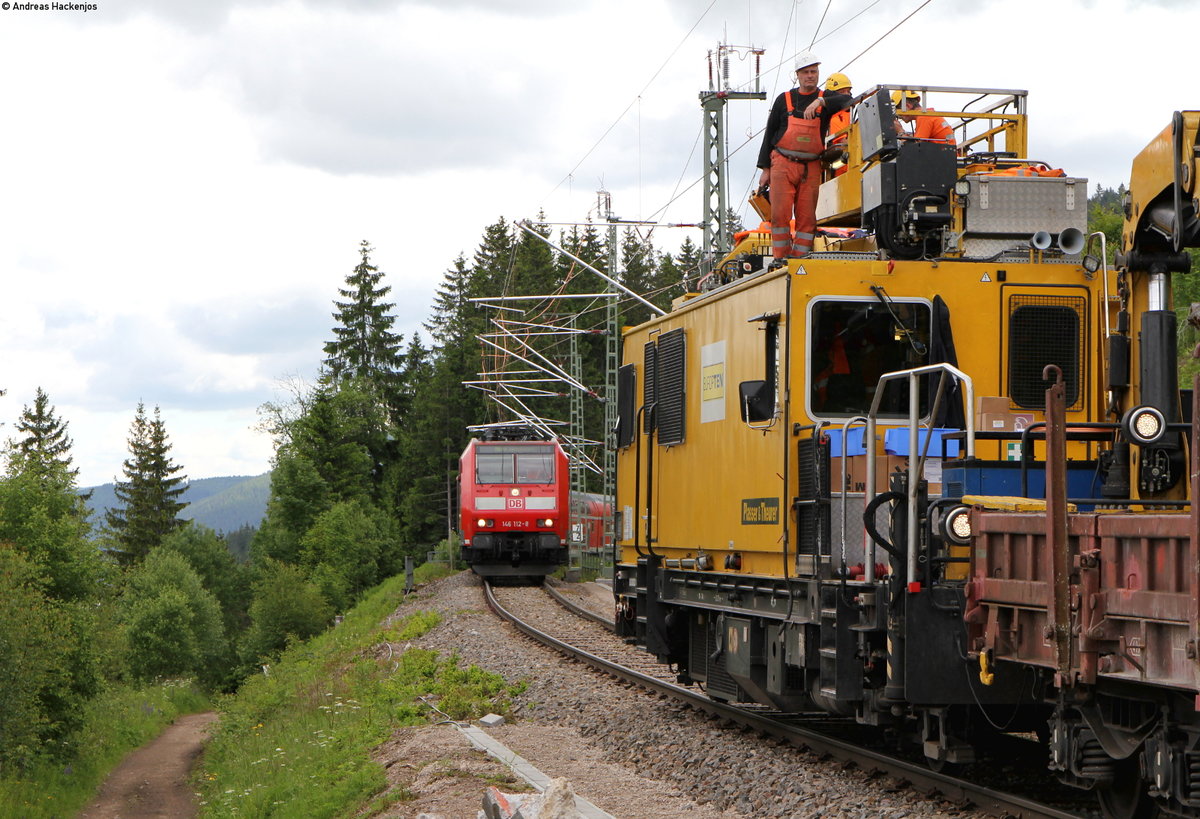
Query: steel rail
point(576, 609)
point(918, 777)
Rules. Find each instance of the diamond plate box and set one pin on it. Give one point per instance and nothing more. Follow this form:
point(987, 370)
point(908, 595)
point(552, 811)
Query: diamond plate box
point(1024, 205)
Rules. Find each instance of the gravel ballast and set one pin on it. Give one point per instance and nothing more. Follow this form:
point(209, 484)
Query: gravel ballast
point(624, 749)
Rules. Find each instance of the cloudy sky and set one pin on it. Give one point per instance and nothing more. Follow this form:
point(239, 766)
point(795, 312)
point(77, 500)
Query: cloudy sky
point(184, 184)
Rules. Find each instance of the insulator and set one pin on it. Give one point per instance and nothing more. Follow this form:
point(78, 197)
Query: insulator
point(725, 69)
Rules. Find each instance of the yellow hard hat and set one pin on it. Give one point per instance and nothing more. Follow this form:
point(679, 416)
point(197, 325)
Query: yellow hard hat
point(905, 94)
point(837, 82)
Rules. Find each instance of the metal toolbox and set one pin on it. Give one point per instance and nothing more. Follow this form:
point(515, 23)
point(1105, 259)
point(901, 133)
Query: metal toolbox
point(1017, 206)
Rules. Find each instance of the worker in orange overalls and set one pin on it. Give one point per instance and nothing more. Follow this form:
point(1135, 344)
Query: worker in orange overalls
point(790, 158)
point(934, 129)
point(840, 121)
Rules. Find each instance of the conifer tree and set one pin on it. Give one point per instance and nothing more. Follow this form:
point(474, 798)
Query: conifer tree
point(534, 271)
point(687, 261)
point(364, 346)
point(449, 322)
point(149, 496)
point(44, 450)
point(493, 261)
point(588, 245)
point(42, 517)
point(639, 270)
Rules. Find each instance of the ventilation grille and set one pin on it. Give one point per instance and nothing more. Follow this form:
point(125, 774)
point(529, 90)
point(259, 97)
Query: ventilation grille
point(671, 376)
point(650, 386)
point(1045, 330)
point(812, 493)
point(626, 405)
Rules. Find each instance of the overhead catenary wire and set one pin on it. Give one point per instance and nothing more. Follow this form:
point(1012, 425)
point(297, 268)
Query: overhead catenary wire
point(820, 23)
point(887, 34)
point(637, 97)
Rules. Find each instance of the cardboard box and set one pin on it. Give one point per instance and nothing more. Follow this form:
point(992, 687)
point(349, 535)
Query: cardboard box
point(932, 472)
point(856, 473)
point(990, 404)
point(885, 466)
point(1003, 422)
point(994, 414)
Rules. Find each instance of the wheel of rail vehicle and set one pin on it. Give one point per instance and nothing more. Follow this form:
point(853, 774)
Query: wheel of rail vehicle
point(944, 767)
point(1126, 797)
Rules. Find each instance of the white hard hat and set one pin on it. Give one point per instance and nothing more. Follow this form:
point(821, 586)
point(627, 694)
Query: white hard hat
point(806, 58)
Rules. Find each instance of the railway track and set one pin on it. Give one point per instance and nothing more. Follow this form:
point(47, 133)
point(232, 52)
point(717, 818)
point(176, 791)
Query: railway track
point(552, 619)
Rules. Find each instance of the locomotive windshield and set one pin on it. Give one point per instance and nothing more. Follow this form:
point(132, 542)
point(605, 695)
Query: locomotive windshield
point(853, 343)
point(505, 463)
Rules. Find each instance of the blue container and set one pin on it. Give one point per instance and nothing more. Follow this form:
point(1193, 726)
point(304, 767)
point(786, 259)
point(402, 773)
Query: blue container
point(854, 441)
point(1004, 478)
point(895, 442)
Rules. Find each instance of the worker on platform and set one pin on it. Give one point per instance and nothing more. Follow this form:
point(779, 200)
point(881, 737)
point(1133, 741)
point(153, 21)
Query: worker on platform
point(790, 158)
point(933, 129)
point(839, 122)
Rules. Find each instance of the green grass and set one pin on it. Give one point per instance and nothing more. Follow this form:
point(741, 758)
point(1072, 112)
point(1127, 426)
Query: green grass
point(297, 743)
point(429, 572)
point(119, 720)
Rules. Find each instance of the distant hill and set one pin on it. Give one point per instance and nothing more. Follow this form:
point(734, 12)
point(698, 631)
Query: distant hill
point(223, 504)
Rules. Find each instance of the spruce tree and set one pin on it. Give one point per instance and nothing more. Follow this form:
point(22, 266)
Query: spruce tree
point(638, 273)
point(44, 450)
point(687, 262)
point(149, 496)
point(42, 517)
point(364, 346)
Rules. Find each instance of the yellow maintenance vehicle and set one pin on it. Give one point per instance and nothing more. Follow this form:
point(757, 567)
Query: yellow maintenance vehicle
point(816, 462)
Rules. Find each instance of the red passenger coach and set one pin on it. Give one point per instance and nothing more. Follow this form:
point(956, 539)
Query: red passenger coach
point(513, 497)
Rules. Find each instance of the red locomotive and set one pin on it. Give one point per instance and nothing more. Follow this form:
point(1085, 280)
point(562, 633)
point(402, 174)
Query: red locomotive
point(513, 499)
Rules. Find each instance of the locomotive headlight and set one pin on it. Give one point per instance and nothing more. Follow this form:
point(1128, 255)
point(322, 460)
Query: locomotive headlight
point(962, 187)
point(484, 523)
point(956, 525)
point(549, 522)
point(1144, 425)
point(514, 491)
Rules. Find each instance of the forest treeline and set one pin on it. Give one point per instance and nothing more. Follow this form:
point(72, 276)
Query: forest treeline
point(363, 476)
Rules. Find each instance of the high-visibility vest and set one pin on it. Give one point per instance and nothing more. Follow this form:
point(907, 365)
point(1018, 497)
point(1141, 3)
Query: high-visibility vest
point(934, 129)
point(803, 136)
point(839, 122)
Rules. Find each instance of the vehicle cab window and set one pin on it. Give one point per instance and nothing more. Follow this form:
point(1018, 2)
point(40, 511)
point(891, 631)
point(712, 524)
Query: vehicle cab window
point(854, 342)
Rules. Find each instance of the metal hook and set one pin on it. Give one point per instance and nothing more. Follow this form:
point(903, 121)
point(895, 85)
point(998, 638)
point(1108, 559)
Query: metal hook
point(1056, 370)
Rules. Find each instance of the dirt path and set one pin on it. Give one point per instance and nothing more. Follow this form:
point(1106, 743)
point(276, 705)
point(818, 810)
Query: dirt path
point(152, 781)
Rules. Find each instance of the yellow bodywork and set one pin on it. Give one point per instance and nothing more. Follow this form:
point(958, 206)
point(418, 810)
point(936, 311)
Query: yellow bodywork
point(722, 492)
point(728, 487)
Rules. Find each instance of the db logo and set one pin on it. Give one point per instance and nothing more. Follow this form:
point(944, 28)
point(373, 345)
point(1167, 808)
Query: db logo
point(516, 503)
